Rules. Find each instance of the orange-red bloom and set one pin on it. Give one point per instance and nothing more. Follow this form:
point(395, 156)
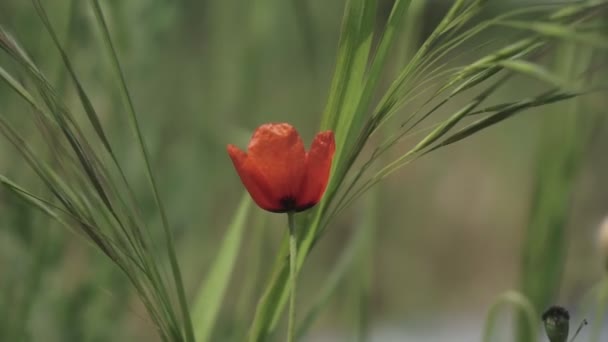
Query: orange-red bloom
point(277, 171)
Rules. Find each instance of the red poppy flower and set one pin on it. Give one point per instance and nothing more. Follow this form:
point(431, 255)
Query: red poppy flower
point(277, 171)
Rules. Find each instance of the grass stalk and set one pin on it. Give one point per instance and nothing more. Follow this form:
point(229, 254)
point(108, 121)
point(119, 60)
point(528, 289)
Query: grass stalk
point(578, 330)
point(293, 275)
point(355, 78)
point(92, 203)
point(175, 269)
point(356, 250)
point(208, 301)
point(560, 157)
point(254, 266)
point(520, 302)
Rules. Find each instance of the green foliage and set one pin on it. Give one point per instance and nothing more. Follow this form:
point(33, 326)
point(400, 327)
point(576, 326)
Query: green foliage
point(530, 317)
point(389, 103)
point(559, 160)
point(352, 87)
point(209, 299)
point(92, 201)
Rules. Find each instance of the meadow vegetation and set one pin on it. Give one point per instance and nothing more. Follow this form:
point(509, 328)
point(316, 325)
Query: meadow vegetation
point(467, 184)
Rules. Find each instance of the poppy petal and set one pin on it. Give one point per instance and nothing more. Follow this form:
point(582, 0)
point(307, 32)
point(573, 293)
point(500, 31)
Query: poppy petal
point(279, 155)
point(318, 166)
point(252, 179)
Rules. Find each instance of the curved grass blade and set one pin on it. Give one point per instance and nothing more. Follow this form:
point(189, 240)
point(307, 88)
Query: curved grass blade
point(356, 244)
point(209, 298)
point(272, 301)
point(558, 163)
point(558, 31)
point(177, 277)
point(503, 115)
point(86, 102)
point(520, 302)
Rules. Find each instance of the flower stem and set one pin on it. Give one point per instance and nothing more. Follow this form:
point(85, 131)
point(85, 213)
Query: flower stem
point(293, 247)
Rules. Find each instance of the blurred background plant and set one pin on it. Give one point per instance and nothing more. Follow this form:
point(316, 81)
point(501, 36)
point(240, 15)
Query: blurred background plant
point(421, 255)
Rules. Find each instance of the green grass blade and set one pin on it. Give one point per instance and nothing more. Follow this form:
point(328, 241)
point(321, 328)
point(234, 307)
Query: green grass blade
point(559, 160)
point(347, 105)
point(559, 32)
point(533, 70)
point(353, 123)
point(344, 106)
point(18, 88)
point(86, 102)
point(272, 301)
point(247, 297)
point(501, 116)
point(442, 129)
point(177, 277)
point(353, 53)
point(31, 199)
point(208, 301)
point(357, 104)
point(347, 84)
point(520, 302)
point(357, 249)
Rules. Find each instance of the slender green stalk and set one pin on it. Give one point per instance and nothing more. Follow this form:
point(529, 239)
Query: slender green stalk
point(355, 256)
point(293, 249)
point(519, 302)
point(559, 161)
point(208, 301)
point(188, 329)
point(578, 330)
point(248, 291)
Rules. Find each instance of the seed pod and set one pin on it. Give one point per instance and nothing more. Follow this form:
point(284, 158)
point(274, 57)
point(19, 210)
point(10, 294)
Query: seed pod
point(557, 323)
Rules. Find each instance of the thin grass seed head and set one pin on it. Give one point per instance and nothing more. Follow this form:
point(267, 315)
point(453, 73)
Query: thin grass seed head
point(557, 323)
point(279, 174)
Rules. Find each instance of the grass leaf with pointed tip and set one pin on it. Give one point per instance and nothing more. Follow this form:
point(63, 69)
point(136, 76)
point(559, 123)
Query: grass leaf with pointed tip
point(207, 302)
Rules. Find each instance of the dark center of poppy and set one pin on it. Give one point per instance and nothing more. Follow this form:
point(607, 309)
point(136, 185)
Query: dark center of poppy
point(288, 203)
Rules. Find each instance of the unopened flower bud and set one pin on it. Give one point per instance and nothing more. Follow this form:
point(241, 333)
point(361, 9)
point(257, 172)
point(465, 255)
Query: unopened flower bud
point(557, 323)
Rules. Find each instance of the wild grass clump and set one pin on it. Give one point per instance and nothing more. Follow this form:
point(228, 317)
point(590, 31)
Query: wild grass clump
point(89, 190)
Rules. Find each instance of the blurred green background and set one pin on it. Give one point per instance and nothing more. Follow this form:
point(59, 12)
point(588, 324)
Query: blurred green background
point(203, 74)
